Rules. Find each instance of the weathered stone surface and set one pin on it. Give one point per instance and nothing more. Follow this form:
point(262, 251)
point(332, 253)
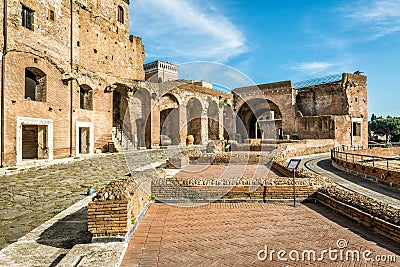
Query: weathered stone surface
point(177, 162)
point(366, 204)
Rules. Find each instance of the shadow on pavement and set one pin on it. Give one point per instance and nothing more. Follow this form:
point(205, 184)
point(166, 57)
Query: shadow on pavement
point(67, 232)
point(353, 226)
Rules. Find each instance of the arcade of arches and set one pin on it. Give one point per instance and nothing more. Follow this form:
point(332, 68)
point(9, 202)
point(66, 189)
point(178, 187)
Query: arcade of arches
point(146, 116)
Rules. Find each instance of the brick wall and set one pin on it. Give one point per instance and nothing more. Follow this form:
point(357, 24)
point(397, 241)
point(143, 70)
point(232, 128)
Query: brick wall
point(173, 192)
point(115, 217)
point(303, 147)
point(99, 42)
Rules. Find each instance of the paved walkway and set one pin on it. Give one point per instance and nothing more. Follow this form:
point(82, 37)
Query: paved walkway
point(33, 196)
point(232, 234)
point(321, 164)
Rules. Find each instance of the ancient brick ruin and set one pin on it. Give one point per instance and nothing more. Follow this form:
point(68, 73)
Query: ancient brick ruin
point(73, 82)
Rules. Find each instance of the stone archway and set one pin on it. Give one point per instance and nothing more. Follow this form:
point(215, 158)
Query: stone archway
point(131, 116)
point(193, 116)
point(213, 121)
point(139, 110)
point(260, 119)
point(169, 117)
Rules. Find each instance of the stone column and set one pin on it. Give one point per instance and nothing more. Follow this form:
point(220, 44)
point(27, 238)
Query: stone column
point(42, 142)
point(221, 123)
point(155, 124)
point(204, 127)
point(182, 123)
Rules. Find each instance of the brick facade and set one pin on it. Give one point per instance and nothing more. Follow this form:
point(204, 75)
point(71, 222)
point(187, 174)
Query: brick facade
point(333, 110)
point(77, 71)
point(102, 55)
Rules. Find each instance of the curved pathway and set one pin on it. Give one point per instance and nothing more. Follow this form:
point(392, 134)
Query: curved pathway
point(322, 165)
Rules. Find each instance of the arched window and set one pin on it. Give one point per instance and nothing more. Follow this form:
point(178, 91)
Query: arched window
point(86, 97)
point(35, 84)
point(120, 17)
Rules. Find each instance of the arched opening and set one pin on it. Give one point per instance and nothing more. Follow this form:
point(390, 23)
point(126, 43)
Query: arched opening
point(213, 121)
point(35, 84)
point(169, 118)
point(193, 115)
point(120, 107)
point(260, 119)
point(139, 111)
point(131, 117)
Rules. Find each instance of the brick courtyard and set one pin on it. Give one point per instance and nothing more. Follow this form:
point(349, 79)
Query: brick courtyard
point(231, 234)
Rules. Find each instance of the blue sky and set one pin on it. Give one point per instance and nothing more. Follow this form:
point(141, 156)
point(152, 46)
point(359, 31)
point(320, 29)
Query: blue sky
point(274, 40)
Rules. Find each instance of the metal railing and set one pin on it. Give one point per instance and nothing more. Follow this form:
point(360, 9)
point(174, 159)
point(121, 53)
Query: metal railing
point(354, 155)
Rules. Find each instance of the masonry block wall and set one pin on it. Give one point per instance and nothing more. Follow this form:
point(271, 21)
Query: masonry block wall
point(115, 217)
point(103, 54)
point(333, 109)
point(174, 192)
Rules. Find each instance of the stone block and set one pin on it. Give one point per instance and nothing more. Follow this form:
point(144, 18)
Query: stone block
point(177, 162)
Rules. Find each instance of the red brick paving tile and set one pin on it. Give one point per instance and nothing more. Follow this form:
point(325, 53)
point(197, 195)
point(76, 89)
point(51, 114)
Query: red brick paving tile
point(231, 234)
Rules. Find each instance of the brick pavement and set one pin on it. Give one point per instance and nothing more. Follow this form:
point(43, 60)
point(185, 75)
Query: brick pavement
point(231, 234)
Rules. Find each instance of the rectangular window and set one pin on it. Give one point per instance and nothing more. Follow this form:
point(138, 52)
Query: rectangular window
point(52, 14)
point(356, 129)
point(27, 17)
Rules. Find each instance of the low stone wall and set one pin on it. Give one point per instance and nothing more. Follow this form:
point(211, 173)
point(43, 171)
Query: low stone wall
point(225, 158)
point(171, 192)
point(381, 226)
point(303, 147)
point(257, 147)
point(366, 204)
point(387, 177)
point(116, 208)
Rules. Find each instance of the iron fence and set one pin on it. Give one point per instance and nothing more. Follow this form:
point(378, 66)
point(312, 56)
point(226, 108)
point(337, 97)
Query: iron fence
point(353, 154)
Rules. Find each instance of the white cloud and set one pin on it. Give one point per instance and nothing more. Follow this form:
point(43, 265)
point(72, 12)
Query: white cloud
point(217, 73)
point(186, 30)
point(378, 17)
point(311, 66)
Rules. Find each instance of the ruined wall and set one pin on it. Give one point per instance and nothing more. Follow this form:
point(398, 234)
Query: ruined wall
point(320, 100)
point(345, 101)
point(357, 99)
point(315, 127)
point(48, 39)
point(101, 42)
point(103, 54)
point(55, 108)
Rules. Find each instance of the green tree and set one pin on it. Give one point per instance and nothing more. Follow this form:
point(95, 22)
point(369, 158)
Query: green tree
point(386, 127)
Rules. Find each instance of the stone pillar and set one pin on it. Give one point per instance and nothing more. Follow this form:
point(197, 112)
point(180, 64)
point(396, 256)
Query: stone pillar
point(182, 123)
point(204, 127)
point(42, 152)
point(221, 123)
point(155, 124)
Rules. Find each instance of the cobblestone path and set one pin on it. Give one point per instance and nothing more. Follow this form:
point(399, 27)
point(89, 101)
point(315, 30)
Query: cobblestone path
point(31, 197)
